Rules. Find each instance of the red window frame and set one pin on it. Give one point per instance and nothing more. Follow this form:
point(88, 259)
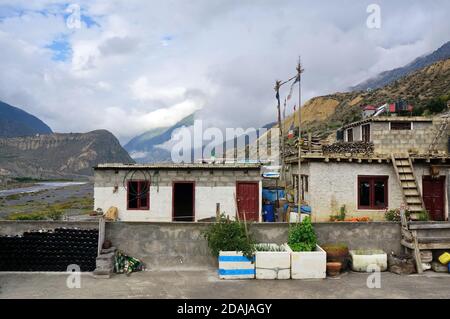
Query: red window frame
point(139, 206)
point(372, 180)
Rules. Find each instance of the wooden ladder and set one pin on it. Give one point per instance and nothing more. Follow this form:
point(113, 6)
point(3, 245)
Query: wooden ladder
point(407, 179)
point(442, 129)
point(409, 240)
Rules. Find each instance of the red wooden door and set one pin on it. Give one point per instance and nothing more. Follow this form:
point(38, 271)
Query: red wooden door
point(248, 200)
point(433, 196)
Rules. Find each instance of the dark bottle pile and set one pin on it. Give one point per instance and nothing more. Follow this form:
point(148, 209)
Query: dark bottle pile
point(49, 250)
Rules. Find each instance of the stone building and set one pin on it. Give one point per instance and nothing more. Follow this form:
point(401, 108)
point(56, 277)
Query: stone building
point(178, 192)
point(408, 165)
point(398, 134)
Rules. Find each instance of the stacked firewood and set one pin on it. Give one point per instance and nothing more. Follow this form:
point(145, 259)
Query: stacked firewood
point(353, 148)
point(308, 145)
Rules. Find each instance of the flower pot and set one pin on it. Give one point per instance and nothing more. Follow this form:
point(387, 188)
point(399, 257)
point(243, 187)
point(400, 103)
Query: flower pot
point(337, 253)
point(234, 265)
point(273, 264)
point(363, 258)
point(333, 268)
point(308, 264)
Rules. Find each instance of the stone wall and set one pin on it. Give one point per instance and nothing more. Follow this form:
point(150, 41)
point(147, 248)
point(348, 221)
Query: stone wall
point(164, 246)
point(417, 140)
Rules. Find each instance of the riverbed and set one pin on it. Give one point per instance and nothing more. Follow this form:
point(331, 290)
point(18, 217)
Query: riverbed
point(71, 198)
point(38, 187)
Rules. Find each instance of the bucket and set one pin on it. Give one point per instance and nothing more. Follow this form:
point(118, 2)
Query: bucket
point(444, 258)
point(268, 213)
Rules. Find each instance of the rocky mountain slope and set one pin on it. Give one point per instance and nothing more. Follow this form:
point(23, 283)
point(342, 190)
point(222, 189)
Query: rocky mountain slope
point(143, 148)
point(322, 115)
point(69, 155)
point(387, 77)
point(15, 122)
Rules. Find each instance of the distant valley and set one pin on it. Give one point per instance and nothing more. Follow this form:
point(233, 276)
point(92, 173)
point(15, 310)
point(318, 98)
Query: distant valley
point(144, 148)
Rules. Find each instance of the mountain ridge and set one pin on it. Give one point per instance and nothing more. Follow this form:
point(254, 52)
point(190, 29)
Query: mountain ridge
point(388, 77)
point(323, 114)
point(144, 147)
point(59, 155)
point(15, 122)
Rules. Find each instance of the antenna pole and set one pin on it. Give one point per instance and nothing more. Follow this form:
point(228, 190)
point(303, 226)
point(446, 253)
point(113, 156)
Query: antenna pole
point(299, 184)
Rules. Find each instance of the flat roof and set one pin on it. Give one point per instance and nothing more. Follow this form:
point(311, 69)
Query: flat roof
point(180, 166)
point(390, 119)
point(376, 158)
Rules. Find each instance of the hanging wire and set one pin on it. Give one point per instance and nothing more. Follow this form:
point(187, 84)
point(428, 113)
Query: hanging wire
point(138, 193)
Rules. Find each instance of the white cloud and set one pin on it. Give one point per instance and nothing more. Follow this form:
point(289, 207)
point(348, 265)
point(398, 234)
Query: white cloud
point(149, 64)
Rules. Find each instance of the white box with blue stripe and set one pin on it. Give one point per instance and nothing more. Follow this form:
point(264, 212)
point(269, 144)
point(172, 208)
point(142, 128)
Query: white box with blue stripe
point(234, 265)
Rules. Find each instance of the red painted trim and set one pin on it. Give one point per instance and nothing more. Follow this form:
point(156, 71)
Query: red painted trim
point(371, 179)
point(257, 196)
point(138, 191)
point(173, 197)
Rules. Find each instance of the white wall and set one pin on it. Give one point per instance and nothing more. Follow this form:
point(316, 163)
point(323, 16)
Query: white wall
point(206, 198)
point(332, 185)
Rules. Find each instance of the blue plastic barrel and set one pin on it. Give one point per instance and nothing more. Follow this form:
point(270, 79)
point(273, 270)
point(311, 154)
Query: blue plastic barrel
point(269, 213)
point(271, 194)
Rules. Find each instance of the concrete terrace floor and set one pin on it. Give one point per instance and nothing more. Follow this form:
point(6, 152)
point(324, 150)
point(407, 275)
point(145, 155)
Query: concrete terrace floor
point(206, 285)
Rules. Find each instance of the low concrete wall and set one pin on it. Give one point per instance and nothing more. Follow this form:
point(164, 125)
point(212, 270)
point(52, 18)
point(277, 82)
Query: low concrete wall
point(18, 227)
point(182, 246)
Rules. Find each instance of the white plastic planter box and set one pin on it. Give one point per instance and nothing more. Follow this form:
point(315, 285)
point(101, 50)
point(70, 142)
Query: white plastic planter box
point(273, 264)
point(362, 259)
point(296, 218)
point(308, 264)
point(234, 265)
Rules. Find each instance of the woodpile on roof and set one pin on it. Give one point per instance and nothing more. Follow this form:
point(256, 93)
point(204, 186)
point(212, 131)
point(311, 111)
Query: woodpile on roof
point(352, 148)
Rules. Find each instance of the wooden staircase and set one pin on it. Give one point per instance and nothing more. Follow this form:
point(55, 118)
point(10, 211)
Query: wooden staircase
point(405, 175)
point(441, 131)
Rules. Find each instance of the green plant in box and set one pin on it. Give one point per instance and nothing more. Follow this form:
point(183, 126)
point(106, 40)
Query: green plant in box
point(302, 236)
point(229, 235)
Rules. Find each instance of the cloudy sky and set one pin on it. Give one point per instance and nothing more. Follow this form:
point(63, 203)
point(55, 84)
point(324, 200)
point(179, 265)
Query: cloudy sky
point(129, 66)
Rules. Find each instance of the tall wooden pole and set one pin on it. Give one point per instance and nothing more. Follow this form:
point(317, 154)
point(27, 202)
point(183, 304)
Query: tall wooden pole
point(280, 125)
point(299, 74)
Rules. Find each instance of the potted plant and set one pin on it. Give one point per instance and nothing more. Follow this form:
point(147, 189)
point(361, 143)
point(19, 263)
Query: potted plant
point(233, 245)
point(272, 261)
point(308, 260)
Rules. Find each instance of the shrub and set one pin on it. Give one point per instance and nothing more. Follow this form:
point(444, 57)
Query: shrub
point(55, 215)
point(423, 216)
point(229, 235)
point(393, 215)
point(32, 216)
point(436, 105)
point(302, 236)
point(340, 216)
